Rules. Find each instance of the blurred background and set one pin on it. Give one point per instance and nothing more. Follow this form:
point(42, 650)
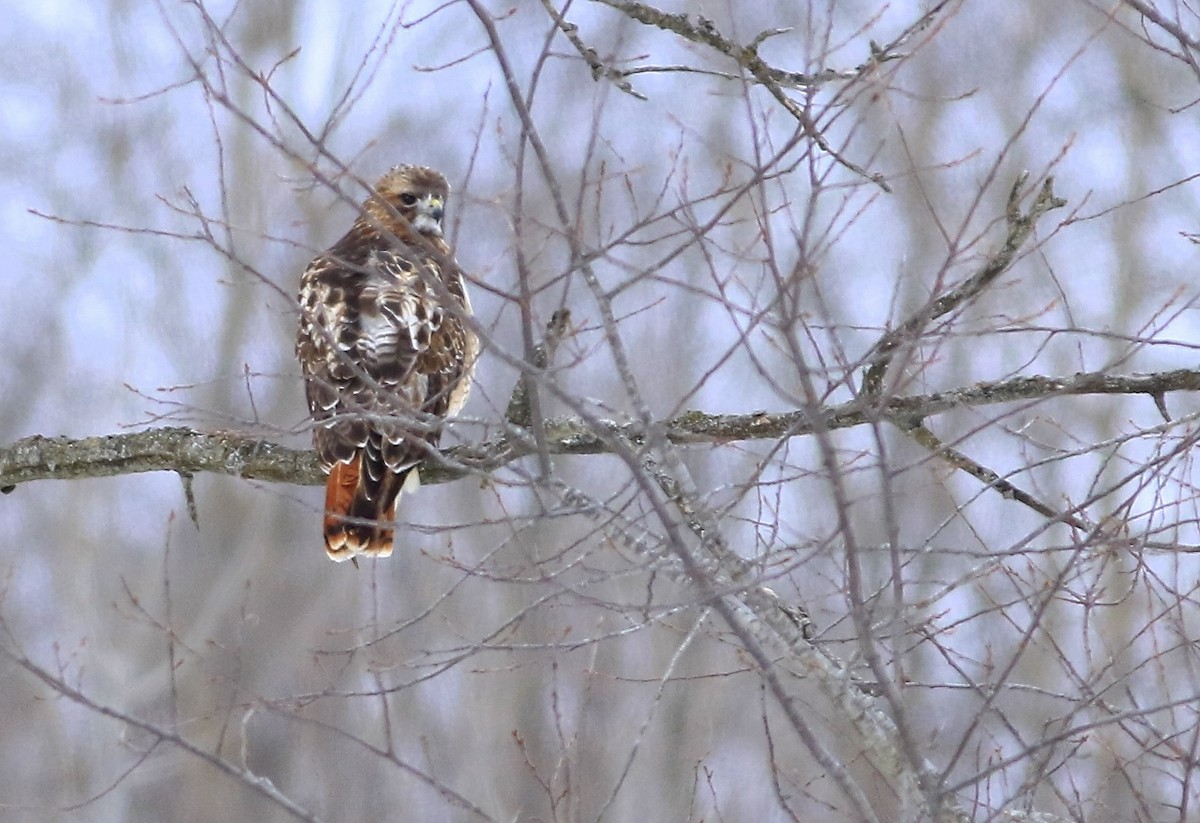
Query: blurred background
point(511, 662)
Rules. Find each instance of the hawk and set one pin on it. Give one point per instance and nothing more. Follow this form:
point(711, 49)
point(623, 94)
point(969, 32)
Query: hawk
point(386, 353)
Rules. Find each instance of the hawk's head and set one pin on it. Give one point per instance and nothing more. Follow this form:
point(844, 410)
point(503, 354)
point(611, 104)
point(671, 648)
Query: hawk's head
point(418, 193)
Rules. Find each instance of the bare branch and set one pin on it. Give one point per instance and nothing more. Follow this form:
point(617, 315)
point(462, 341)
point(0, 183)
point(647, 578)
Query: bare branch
point(1020, 227)
point(237, 454)
point(244, 777)
point(704, 32)
point(599, 69)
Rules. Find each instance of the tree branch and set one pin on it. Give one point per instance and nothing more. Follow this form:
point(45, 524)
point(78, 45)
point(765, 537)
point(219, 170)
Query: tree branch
point(245, 777)
point(234, 453)
point(703, 32)
point(1020, 228)
point(775, 81)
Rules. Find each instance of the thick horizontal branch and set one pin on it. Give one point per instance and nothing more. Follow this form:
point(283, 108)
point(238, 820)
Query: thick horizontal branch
point(227, 452)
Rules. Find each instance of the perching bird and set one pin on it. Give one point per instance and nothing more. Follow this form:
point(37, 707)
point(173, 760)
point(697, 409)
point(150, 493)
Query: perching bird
point(386, 355)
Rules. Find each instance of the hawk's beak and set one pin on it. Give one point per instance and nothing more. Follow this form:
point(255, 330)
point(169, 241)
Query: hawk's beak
point(428, 217)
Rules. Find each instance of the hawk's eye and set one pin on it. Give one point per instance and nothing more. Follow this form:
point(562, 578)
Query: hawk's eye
point(408, 199)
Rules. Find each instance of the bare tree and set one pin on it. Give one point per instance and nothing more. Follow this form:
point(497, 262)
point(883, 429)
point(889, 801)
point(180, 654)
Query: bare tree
point(830, 456)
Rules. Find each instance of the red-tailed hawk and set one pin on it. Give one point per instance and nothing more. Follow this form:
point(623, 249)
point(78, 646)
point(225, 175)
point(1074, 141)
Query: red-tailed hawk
point(386, 355)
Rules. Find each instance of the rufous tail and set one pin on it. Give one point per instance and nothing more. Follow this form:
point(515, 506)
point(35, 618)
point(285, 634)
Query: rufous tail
point(356, 521)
